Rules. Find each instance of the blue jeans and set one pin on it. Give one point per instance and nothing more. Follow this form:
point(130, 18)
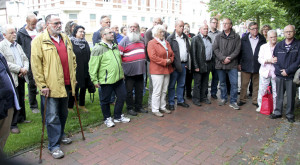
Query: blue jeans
point(105, 96)
point(233, 78)
point(178, 77)
point(56, 117)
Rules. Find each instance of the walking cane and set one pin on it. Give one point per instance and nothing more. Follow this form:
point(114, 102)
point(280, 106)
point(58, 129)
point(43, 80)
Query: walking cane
point(43, 129)
point(83, 138)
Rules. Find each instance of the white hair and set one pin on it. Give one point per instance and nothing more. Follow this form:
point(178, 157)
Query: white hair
point(6, 27)
point(39, 26)
point(294, 28)
point(271, 31)
point(202, 25)
point(157, 28)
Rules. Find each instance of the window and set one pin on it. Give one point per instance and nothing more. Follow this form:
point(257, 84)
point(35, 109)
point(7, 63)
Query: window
point(92, 16)
point(93, 20)
point(143, 19)
point(73, 16)
point(124, 18)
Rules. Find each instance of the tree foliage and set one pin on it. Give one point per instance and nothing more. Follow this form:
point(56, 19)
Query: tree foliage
point(261, 11)
point(292, 8)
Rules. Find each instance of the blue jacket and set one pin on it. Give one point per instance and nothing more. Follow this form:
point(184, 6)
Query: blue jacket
point(97, 38)
point(6, 90)
point(248, 61)
point(288, 60)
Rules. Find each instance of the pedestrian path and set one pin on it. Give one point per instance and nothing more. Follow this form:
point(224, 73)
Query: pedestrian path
point(209, 134)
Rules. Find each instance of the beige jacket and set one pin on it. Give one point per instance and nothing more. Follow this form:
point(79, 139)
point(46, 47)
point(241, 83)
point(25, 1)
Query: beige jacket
point(46, 65)
point(11, 61)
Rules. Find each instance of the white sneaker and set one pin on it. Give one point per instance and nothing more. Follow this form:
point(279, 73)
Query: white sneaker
point(258, 109)
point(109, 123)
point(234, 106)
point(123, 119)
point(57, 154)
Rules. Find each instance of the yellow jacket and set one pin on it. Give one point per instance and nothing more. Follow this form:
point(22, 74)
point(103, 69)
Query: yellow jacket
point(46, 65)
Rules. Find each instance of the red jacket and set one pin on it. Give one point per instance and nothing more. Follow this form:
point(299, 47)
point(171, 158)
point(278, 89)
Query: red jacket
point(158, 58)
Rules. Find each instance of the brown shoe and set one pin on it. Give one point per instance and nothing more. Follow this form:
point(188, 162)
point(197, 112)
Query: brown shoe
point(83, 109)
point(15, 131)
point(165, 111)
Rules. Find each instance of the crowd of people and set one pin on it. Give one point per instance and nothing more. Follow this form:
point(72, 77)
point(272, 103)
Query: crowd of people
point(62, 65)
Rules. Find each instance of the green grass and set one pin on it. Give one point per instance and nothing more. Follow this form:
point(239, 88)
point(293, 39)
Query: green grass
point(30, 135)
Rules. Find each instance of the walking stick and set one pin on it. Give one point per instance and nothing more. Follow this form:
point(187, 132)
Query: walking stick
point(83, 138)
point(43, 129)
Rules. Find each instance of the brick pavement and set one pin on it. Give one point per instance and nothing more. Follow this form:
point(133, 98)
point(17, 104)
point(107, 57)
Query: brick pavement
point(198, 135)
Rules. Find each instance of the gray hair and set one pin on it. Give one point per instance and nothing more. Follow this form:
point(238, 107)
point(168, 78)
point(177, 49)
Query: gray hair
point(292, 26)
point(178, 22)
point(135, 23)
point(30, 15)
point(252, 24)
point(202, 25)
point(39, 26)
point(157, 28)
point(6, 27)
point(271, 31)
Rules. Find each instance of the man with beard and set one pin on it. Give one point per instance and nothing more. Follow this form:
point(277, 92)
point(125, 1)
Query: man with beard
point(132, 50)
point(53, 66)
point(24, 37)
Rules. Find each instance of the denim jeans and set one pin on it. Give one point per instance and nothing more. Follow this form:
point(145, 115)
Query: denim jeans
point(56, 117)
point(105, 95)
point(112, 97)
point(178, 77)
point(233, 78)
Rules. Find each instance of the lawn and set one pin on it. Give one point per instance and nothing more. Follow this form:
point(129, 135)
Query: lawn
point(30, 135)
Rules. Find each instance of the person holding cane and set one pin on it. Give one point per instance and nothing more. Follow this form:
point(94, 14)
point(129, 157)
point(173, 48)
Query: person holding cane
point(53, 66)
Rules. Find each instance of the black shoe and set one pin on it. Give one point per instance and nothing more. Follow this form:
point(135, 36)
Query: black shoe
point(142, 110)
point(171, 107)
point(197, 103)
point(185, 105)
point(214, 97)
point(250, 94)
point(132, 112)
point(291, 120)
point(189, 97)
point(206, 101)
point(255, 105)
point(241, 103)
point(273, 116)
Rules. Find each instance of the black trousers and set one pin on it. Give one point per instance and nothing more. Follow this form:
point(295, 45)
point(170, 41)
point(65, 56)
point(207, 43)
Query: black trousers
point(32, 90)
point(136, 83)
point(19, 115)
point(81, 95)
point(188, 83)
point(200, 86)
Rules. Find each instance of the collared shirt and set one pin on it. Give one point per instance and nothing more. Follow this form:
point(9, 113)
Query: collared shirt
point(288, 46)
point(253, 42)
point(208, 47)
point(213, 35)
point(57, 39)
point(182, 47)
point(164, 44)
point(16, 53)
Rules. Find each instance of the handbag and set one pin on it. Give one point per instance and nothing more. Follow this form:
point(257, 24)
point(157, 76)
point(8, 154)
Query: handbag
point(92, 89)
point(267, 102)
point(296, 79)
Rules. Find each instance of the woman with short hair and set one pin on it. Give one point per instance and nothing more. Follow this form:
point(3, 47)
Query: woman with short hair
point(161, 58)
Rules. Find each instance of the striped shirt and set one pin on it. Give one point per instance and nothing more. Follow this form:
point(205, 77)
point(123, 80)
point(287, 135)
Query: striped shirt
point(133, 56)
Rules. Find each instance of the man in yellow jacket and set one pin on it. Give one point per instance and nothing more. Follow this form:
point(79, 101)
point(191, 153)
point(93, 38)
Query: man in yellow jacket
point(53, 66)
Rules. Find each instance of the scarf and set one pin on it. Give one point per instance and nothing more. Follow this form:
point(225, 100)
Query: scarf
point(79, 42)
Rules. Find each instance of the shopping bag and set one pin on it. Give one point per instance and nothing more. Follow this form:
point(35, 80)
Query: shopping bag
point(267, 102)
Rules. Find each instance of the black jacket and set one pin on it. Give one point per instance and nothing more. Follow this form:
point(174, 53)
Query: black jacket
point(248, 61)
point(6, 90)
point(175, 47)
point(97, 37)
point(198, 55)
point(82, 60)
point(288, 60)
point(24, 40)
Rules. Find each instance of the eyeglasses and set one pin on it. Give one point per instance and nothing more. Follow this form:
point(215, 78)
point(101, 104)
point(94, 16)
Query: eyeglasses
point(288, 31)
point(254, 29)
point(226, 23)
point(109, 33)
point(81, 32)
point(214, 22)
point(57, 23)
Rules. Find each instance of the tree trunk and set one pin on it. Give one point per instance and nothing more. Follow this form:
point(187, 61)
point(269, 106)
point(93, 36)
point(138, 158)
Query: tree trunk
point(258, 21)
